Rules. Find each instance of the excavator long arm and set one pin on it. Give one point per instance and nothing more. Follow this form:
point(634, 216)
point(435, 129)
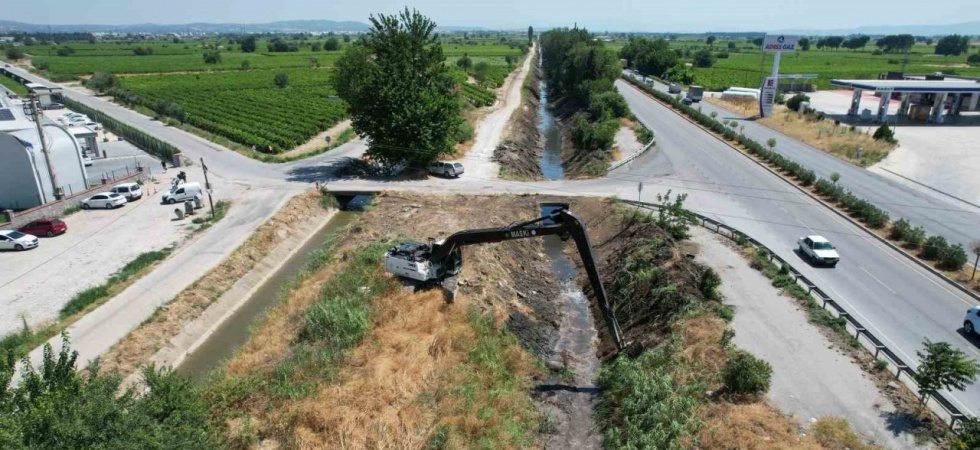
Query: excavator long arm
point(559, 222)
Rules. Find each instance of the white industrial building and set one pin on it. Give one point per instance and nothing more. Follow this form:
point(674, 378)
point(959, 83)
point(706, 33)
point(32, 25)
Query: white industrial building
point(25, 181)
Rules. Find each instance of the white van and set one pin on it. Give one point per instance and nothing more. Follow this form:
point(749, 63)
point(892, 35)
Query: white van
point(131, 191)
point(182, 193)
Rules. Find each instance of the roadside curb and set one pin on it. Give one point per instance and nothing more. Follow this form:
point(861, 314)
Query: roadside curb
point(821, 201)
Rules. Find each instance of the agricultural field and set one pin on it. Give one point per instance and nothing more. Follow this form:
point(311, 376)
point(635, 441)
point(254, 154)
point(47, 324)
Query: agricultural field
point(747, 66)
point(237, 98)
point(247, 106)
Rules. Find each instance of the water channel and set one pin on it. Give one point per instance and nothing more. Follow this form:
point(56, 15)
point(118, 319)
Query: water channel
point(234, 332)
point(551, 157)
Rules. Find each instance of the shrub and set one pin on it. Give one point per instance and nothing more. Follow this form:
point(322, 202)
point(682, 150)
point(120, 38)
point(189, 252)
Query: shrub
point(607, 105)
point(974, 59)
point(464, 132)
point(212, 57)
point(884, 133)
point(281, 80)
point(915, 237)
point(933, 247)
point(594, 136)
point(744, 374)
point(794, 102)
point(900, 229)
point(101, 81)
point(952, 257)
point(14, 53)
point(465, 62)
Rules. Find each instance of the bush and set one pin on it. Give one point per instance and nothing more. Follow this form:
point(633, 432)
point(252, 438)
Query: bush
point(934, 247)
point(101, 81)
point(974, 59)
point(464, 132)
point(281, 80)
point(594, 136)
point(952, 257)
point(794, 102)
point(464, 63)
point(915, 237)
point(744, 374)
point(14, 53)
point(900, 229)
point(703, 58)
point(212, 57)
point(607, 105)
point(884, 133)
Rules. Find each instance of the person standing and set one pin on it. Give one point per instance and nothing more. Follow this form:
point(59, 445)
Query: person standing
point(164, 162)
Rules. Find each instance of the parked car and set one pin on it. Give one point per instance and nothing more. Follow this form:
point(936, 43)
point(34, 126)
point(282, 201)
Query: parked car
point(54, 105)
point(182, 193)
point(45, 227)
point(15, 240)
point(818, 250)
point(687, 100)
point(446, 169)
point(87, 160)
point(107, 200)
point(971, 324)
point(131, 191)
point(674, 88)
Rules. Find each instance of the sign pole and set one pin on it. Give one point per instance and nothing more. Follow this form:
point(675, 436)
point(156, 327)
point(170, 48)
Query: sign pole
point(207, 185)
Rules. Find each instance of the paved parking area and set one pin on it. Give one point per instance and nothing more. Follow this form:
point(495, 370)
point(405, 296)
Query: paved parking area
point(38, 282)
point(941, 157)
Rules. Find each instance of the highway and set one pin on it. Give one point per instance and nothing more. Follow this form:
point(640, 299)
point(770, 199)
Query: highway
point(899, 301)
point(956, 221)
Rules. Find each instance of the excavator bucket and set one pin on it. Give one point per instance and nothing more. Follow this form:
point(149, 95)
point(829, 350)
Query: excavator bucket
point(449, 289)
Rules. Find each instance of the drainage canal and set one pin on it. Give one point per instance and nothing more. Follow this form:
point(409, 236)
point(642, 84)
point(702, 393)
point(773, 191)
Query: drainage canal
point(550, 161)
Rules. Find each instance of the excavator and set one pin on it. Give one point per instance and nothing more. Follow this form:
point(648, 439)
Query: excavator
point(436, 263)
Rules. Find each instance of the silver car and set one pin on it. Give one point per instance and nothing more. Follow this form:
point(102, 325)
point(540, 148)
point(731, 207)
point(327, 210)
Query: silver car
point(446, 169)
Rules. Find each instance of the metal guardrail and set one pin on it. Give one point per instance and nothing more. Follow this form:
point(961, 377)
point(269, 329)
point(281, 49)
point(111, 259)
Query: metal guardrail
point(825, 301)
point(633, 156)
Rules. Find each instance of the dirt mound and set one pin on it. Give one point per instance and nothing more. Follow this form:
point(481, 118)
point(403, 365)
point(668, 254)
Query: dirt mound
point(519, 153)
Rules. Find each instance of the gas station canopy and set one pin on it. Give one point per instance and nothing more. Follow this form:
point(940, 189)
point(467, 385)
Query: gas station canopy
point(910, 86)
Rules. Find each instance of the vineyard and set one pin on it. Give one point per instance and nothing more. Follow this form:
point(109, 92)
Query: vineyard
point(478, 95)
point(62, 68)
point(247, 107)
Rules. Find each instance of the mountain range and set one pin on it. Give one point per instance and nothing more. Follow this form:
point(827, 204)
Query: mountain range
point(965, 28)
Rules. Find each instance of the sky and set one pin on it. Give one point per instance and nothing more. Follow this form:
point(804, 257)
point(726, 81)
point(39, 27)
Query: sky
point(601, 15)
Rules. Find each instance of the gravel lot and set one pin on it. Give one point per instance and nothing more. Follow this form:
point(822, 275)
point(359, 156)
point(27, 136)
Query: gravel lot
point(37, 283)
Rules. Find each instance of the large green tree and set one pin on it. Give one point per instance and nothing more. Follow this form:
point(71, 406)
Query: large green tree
point(944, 367)
point(399, 91)
point(952, 45)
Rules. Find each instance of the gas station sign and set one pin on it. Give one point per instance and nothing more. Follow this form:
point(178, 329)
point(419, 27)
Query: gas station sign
point(768, 97)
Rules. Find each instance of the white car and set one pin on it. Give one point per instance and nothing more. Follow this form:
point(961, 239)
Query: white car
point(971, 323)
point(818, 250)
point(446, 169)
point(107, 200)
point(87, 160)
point(15, 240)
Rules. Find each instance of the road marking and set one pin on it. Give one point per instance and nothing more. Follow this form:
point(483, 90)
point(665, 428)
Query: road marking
point(876, 279)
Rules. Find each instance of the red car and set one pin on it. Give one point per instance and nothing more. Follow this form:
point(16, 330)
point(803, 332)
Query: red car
point(45, 227)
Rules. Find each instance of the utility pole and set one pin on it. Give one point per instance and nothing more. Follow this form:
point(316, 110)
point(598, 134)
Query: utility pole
point(207, 185)
point(33, 110)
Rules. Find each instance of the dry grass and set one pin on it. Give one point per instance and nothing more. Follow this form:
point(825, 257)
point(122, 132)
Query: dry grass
point(142, 343)
point(745, 107)
point(753, 426)
point(703, 353)
point(840, 141)
point(835, 434)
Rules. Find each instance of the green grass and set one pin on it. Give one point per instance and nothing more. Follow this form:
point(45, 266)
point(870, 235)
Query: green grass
point(207, 220)
point(23, 342)
point(18, 88)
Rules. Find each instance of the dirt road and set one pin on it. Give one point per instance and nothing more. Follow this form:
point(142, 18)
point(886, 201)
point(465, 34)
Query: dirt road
point(478, 162)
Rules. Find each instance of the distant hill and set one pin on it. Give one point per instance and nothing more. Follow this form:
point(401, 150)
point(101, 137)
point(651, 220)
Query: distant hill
point(965, 28)
point(289, 26)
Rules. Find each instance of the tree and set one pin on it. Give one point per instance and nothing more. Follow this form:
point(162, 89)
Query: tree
point(896, 43)
point(346, 38)
point(711, 41)
point(246, 64)
point(332, 45)
point(758, 41)
point(974, 59)
point(952, 45)
point(316, 46)
point(281, 80)
point(856, 42)
point(398, 91)
point(530, 35)
point(248, 44)
point(102, 81)
point(969, 434)
point(703, 58)
point(835, 177)
point(68, 51)
point(465, 62)
point(212, 57)
point(649, 57)
point(944, 367)
point(804, 44)
point(14, 53)
point(771, 142)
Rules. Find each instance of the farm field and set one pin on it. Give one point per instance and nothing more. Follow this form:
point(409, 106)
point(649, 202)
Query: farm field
point(245, 105)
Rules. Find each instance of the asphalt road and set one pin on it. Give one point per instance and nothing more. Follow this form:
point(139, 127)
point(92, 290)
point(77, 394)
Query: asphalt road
point(938, 214)
point(899, 301)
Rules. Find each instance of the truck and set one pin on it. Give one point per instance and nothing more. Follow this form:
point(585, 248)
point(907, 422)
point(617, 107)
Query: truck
point(695, 93)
